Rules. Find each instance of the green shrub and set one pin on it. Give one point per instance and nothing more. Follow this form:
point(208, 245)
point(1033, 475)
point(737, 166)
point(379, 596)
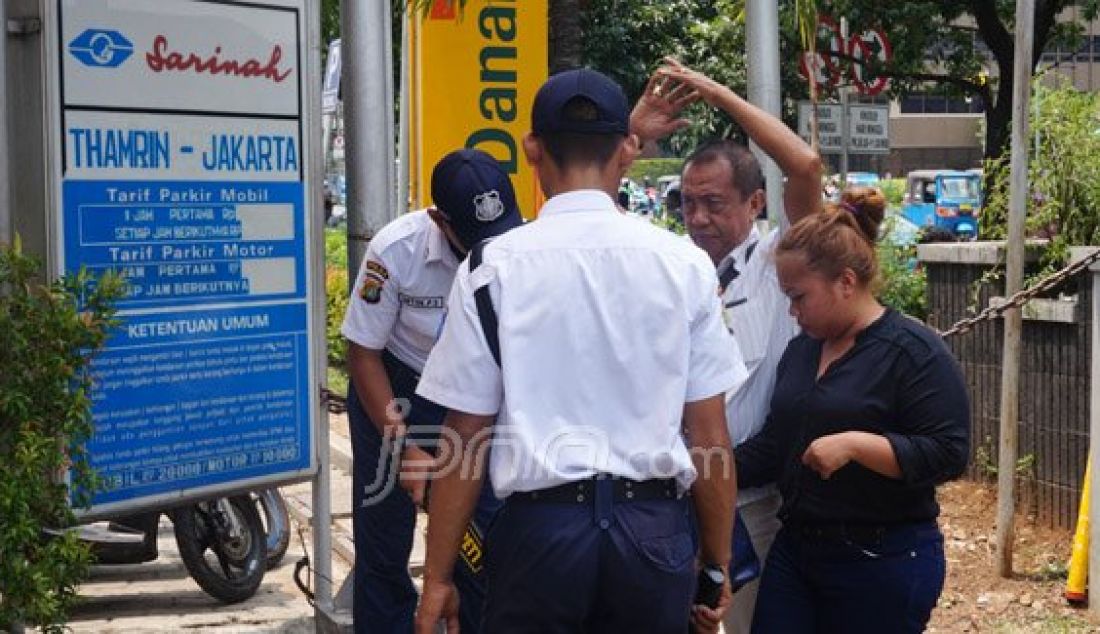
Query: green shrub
point(1064, 175)
point(894, 191)
point(336, 302)
point(47, 335)
point(336, 294)
point(902, 285)
point(654, 169)
point(336, 248)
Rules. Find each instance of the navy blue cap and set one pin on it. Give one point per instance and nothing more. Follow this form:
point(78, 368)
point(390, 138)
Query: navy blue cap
point(475, 194)
point(612, 110)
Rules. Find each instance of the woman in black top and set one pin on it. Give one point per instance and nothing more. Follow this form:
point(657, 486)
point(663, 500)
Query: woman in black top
point(869, 414)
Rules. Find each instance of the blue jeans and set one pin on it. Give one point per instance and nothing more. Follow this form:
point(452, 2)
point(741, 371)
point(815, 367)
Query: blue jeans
point(590, 567)
point(847, 584)
point(384, 518)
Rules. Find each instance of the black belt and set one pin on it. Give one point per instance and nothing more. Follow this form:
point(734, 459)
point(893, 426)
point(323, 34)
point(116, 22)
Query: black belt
point(581, 491)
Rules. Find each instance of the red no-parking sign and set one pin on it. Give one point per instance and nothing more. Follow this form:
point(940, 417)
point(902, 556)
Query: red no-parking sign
point(823, 67)
point(864, 47)
point(826, 67)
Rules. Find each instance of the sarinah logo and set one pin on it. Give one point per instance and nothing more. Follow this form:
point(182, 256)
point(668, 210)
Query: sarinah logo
point(101, 48)
point(161, 59)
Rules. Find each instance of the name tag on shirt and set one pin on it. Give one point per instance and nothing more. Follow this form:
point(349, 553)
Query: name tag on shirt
point(414, 301)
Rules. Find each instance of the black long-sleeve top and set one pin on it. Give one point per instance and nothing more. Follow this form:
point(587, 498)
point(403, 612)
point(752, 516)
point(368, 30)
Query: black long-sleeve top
point(898, 380)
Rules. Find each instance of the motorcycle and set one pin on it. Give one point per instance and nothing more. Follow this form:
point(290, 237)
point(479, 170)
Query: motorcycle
point(226, 544)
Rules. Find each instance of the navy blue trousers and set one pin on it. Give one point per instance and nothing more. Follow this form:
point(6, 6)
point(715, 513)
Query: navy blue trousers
point(590, 567)
point(384, 518)
point(851, 586)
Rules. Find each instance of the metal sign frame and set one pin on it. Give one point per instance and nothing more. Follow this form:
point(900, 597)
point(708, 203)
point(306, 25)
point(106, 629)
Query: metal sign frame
point(836, 141)
point(262, 240)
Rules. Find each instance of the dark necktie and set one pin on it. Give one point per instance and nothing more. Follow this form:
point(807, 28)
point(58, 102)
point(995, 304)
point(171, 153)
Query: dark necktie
point(727, 275)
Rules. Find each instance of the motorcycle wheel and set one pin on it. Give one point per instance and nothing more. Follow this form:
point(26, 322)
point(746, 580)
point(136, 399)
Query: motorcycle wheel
point(223, 546)
point(276, 519)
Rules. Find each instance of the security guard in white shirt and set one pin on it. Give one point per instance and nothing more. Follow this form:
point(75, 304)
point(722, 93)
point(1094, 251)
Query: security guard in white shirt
point(610, 390)
point(721, 196)
point(394, 314)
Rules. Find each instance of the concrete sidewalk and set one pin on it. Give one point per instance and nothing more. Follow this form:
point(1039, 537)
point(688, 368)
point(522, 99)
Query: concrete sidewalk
point(160, 596)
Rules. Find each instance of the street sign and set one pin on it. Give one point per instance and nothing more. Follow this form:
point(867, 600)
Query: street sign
point(829, 125)
point(178, 160)
point(871, 45)
point(833, 55)
point(868, 127)
point(330, 94)
point(474, 78)
point(823, 66)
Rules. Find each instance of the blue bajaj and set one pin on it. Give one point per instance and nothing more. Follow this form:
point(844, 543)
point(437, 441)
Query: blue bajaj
point(946, 199)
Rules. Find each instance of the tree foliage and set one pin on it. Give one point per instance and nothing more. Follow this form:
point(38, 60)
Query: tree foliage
point(963, 48)
point(1064, 174)
point(46, 338)
point(936, 42)
point(627, 39)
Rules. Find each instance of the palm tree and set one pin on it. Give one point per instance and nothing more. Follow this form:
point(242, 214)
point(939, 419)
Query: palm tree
point(806, 12)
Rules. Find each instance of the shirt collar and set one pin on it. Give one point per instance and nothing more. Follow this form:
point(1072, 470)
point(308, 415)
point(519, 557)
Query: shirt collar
point(738, 253)
point(579, 200)
point(438, 249)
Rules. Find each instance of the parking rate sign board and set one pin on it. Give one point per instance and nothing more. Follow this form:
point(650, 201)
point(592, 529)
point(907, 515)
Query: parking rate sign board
point(181, 164)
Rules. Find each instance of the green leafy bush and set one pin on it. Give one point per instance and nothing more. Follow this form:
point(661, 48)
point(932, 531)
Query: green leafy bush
point(894, 190)
point(654, 169)
point(47, 335)
point(902, 286)
point(1064, 174)
point(336, 302)
point(336, 294)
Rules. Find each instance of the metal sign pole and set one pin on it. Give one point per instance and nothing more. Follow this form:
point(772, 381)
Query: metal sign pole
point(5, 147)
point(368, 123)
point(1014, 277)
point(762, 55)
point(403, 130)
point(1094, 437)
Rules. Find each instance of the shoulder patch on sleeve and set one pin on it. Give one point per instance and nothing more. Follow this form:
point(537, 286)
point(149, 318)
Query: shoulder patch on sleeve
point(378, 269)
point(371, 290)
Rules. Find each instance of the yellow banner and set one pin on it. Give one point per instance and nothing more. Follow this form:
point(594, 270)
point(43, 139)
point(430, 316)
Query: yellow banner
point(474, 75)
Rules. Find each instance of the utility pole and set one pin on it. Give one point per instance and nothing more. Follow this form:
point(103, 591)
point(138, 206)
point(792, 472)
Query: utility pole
point(1014, 278)
point(403, 125)
point(368, 122)
point(845, 126)
point(762, 59)
point(5, 145)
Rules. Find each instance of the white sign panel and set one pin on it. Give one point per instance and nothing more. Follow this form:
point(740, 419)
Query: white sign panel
point(177, 55)
point(330, 94)
point(868, 129)
point(180, 165)
point(829, 125)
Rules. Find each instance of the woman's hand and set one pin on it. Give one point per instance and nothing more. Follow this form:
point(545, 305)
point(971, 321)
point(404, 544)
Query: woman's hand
point(829, 453)
point(699, 84)
point(657, 113)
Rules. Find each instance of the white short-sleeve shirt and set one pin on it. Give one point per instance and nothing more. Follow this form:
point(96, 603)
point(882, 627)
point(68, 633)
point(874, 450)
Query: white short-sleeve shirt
point(400, 294)
point(607, 327)
point(757, 313)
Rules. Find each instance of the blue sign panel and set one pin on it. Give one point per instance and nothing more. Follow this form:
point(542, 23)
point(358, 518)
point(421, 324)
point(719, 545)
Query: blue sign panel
point(187, 399)
point(182, 253)
point(182, 169)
